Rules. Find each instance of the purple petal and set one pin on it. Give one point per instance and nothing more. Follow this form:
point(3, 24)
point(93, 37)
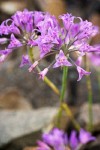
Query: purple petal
point(85, 136)
point(61, 60)
point(81, 73)
point(25, 61)
point(43, 73)
point(15, 43)
point(73, 140)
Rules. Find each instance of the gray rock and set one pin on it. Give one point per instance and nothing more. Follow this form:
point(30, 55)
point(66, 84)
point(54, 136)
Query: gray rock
point(33, 89)
point(83, 117)
point(14, 124)
point(12, 98)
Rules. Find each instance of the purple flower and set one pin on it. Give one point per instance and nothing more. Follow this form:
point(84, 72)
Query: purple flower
point(3, 29)
point(81, 73)
point(44, 49)
point(4, 54)
point(73, 141)
point(79, 61)
point(2, 57)
point(33, 66)
point(58, 140)
point(55, 139)
point(13, 29)
point(42, 30)
point(43, 73)
point(22, 18)
point(87, 30)
point(25, 60)
point(68, 20)
point(38, 17)
point(61, 60)
point(14, 43)
point(95, 59)
point(85, 136)
point(43, 146)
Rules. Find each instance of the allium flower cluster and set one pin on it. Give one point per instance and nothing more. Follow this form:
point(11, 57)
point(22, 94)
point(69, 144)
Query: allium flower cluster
point(39, 29)
point(58, 140)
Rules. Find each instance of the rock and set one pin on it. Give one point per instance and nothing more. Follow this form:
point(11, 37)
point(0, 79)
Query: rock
point(12, 98)
point(14, 124)
point(33, 89)
point(26, 141)
point(83, 115)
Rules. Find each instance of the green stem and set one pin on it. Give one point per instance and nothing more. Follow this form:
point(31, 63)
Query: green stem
point(51, 85)
point(31, 54)
point(64, 80)
point(63, 105)
point(90, 97)
point(62, 94)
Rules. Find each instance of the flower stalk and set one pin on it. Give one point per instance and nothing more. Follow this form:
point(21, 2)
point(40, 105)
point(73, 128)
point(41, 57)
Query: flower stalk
point(90, 97)
point(64, 106)
point(64, 80)
point(70, 115)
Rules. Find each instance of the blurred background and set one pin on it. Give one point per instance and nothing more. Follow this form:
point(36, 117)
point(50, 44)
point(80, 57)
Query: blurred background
point(21, 90)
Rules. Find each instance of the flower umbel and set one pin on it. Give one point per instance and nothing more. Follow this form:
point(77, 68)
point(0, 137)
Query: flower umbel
point(38, 29)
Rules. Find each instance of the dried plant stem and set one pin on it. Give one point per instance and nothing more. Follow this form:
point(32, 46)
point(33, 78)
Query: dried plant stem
point(51, 85)
point(70, 115)
point(90, 97)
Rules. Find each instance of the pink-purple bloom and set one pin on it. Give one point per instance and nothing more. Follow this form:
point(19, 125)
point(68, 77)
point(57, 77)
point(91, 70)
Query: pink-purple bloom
point(61, 60)
point(33, 66)
point(43, 73)
point(82, 72)
point(85, 136)
point(42, 30)
point(14, 43)
point(59, 140)
point(25, 60)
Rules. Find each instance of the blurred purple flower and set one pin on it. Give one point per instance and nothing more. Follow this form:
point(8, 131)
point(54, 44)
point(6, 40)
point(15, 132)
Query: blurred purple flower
point(43, 73)
point(73, 140)
point(43, 146)
point(33, 66)
point(85, 136)
point(81, 72)
point(95, 59)
point(58, 140)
